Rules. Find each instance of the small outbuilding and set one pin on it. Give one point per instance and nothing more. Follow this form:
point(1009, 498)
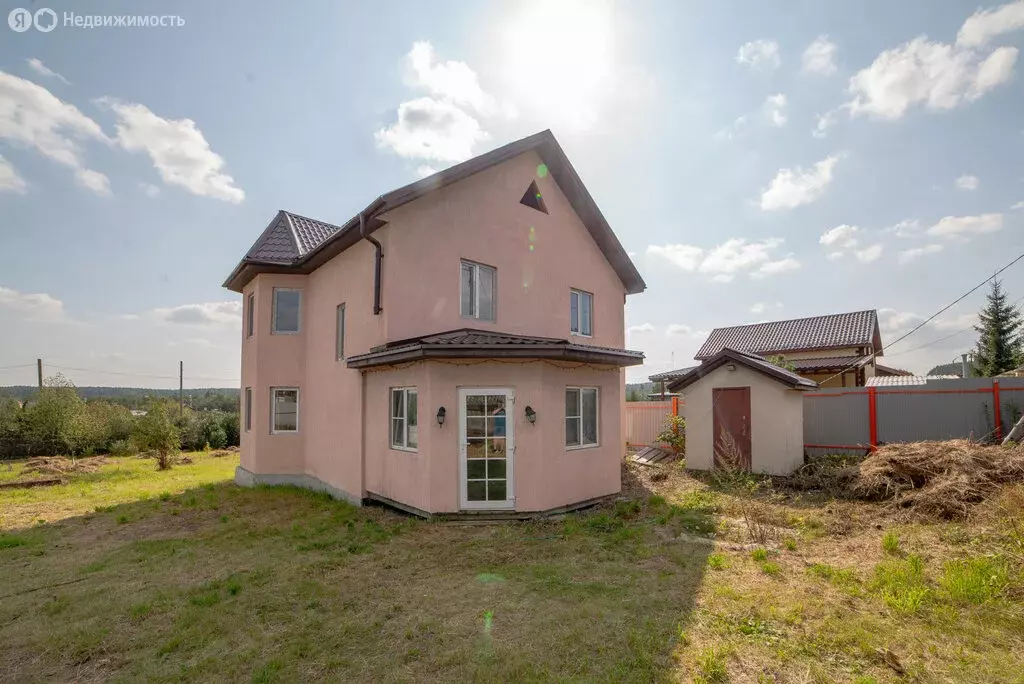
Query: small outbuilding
point(742, 411)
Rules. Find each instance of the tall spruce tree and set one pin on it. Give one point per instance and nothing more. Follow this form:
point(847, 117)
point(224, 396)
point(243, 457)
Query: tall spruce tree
point(999, 339)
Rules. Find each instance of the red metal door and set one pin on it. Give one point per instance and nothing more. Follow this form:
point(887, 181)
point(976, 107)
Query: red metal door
point(731, 409)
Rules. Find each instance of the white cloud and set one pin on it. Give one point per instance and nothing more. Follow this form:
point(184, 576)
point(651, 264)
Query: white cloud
point(433, 130)
point(43, 70)
point(960, 226)
point(869, 253)
point(207, 313)
point(686, 257)
point(10, 180)
point(819, 57)
point(793, 187)
point(678, 330)
point(759, 54)
point(770, 268)
point(1018, 205)
point(966, 182)
point(424, 170)
point(775, 109)
point(31, 115)
point(149, 189)
point(840, 237)
point(908, 255)
point(721, 264)
point(906, 228)
point(443, 127)
point(936, 75)
point(93, 180)
point(893, 322)
point(35, 306)
point(178, 150)
point(761, 307)
point(984, 25)
point(451, 81)
point(639, 329)
point(825, 122)
point(960, 322)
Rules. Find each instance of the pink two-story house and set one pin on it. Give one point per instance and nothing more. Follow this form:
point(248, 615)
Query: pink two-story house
point(456, 346)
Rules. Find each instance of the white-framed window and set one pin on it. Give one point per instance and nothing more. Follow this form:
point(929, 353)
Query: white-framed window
point(287, 311)
point(404, 418)
point(581, 313)
point(248, 409)
point(477, 289)
point(339, 331)
point(284, 409)
point(250, 313)
point(581, 409)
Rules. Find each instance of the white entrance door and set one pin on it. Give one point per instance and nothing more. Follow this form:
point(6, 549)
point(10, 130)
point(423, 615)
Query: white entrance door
point(486, 448)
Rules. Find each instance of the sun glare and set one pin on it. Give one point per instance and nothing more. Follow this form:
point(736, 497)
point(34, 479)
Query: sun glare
point(558, 60)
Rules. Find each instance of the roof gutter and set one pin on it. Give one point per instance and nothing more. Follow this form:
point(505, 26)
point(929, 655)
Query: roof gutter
point(378, 258)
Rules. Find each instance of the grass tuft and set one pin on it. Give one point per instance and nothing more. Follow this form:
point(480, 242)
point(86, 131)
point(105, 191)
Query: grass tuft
point(891, 543)
point(902, 584)
point(974, 580)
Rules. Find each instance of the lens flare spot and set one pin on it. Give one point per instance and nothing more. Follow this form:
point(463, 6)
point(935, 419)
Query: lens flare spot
point(542, 171)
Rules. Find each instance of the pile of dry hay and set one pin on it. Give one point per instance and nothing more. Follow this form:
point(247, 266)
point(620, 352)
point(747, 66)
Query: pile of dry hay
point(933, 479)
point(59, 465)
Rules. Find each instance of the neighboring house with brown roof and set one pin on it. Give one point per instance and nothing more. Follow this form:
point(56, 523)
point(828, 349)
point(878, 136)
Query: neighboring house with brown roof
point(458, 345)
point(836, 350)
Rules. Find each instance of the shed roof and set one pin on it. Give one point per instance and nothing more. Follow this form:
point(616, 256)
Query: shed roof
point(857, 328)
point(297, 244)
point(483, 344)
point(751, 361)
point(906, 380)
point(670, 375)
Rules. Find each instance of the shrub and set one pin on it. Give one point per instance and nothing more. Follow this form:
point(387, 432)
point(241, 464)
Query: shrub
point(156, 431)
point(674, 434)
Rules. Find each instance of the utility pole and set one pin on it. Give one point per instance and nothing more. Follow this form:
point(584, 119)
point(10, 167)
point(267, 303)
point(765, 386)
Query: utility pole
point(39, 372)
point(181, 389)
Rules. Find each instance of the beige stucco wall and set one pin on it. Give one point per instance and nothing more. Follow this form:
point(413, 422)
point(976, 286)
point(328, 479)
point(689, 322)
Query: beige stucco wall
point(481, 219)
point(776, 421)
point(343, 437)
point(820, 353)
point(546, 474)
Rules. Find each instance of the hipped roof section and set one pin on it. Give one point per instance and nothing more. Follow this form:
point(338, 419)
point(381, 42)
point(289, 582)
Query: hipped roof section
point(297, 244)
point(751, 361)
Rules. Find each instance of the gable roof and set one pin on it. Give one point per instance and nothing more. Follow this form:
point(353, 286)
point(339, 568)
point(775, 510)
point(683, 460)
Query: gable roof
point(751, 361)
point(670, 375)
point(296, 244)
point(470, 343)
point(854, 329)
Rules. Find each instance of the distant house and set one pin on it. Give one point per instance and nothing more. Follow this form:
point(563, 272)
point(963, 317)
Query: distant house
point(837, 350)
point(955, 369)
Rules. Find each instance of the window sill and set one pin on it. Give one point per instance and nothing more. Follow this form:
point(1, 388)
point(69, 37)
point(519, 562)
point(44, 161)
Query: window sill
point(284, 432)
point(476, 318)
point(408, 450)
point(576, 334)
point(581, 447)
point(285, 332)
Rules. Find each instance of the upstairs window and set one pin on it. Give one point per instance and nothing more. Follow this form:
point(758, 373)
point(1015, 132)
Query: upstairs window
point(580, 417)
point(287, 306)
point(477, 291)
point(250, 313)
point(581, 312)
point(533, 198)
point(404, 418)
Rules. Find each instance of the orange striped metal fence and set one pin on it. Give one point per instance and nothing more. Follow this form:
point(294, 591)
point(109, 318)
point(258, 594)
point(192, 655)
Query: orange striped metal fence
point(645, 420)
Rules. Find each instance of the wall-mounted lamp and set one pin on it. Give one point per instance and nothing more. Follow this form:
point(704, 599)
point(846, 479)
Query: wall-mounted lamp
point(440, 415)
point(531, 415)
point(731, 367)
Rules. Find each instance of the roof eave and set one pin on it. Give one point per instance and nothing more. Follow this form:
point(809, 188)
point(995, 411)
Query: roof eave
point(422, 352)
point(728, 355)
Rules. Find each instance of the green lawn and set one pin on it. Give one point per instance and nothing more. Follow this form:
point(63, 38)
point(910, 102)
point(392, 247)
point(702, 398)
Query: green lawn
point(181, 576)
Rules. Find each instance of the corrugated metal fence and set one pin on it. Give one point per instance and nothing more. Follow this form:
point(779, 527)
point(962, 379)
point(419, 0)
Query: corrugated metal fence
point(645, 420)
point(844, 419)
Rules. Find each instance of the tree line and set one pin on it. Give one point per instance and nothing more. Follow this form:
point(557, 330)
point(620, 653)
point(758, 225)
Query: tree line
point(57, 420)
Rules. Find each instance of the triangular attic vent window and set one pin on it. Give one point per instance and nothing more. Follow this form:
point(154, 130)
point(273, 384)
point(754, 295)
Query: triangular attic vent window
point(533, 199)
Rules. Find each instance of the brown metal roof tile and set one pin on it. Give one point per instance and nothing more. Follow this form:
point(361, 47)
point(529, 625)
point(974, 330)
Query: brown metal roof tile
point(858, 328)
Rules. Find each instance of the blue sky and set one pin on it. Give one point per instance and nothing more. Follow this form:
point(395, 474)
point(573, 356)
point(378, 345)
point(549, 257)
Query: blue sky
point(759, 160)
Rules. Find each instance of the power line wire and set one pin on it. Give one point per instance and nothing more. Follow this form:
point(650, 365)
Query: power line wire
point(929, 319)
point(942, 339)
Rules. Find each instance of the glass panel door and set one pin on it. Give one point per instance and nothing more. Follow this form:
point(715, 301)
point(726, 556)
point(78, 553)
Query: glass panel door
point(487, 449)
